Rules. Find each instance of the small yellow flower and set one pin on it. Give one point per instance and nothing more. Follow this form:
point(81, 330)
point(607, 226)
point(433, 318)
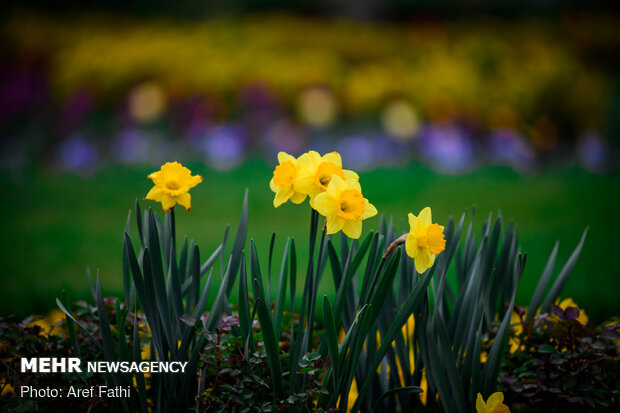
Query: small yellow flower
point(282, 183)
point(344, 206)
point(316, 171)
point(493, 405)
point(424, 241)
point(172, 185)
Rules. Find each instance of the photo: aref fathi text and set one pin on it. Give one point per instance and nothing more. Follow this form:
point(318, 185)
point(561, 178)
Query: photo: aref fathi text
point(92, 391)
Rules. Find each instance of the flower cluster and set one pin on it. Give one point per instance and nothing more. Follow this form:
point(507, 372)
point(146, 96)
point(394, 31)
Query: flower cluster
point(334, 192)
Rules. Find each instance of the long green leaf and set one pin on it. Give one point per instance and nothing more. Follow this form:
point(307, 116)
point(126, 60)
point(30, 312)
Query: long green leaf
point(71, 329)
point(543, 283)
point(332, 340)
point(139, 222)
point(271, 346)
point(496, 354)
point(245, 324)
point(137, 356)
point(559, 283)
point(281, 293)
point(395, 392)
point(108, 341)
point(238, 244)
point(399, 321)
point(88, 333)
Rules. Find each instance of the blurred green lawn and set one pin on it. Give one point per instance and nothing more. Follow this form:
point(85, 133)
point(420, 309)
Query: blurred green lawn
point(56, 225)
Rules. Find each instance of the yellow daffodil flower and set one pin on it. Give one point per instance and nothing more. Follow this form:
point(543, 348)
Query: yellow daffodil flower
point(172, 185)
point(316, 171)
point(568, 302)
point(424, 241)
point(344, 206)
point(493, 405)
point(282, 183)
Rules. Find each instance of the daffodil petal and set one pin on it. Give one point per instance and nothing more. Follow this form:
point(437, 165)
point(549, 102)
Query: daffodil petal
point(154, 175)
point(412, 220)
point(167, 203)
point(336, 186)
point(185, 200)
point(282, 196)
point(298, 198)
point(353, 184)
point(333, 157)
point(309, 161)
point(173, 169)
point(304, 183)
point(194, 180)
point(334, 223)
point(423, 261)
point(369, 210)
point(324, 203)
point(315, 191)
point(425, 217)
point(156, 194)
point(353, 229)
point(481, 406)
point(411, 246)
point(350, 175)
point(495, 399)
point(283, 157)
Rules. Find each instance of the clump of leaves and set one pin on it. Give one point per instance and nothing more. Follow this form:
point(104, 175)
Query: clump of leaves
point(561, 365)
point(234, 381)
point(28, 339)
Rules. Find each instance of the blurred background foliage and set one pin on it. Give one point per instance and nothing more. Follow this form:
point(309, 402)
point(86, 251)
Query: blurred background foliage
point(510, 106)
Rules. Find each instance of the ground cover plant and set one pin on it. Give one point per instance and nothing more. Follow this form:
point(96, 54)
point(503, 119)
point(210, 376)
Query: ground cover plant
point(399, 335)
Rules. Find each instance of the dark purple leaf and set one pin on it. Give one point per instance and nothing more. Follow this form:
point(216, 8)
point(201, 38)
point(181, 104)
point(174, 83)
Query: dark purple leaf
point(509, 379)
point(558, 311)
point(571, 313)
point(227, 322)
point(610, 334)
